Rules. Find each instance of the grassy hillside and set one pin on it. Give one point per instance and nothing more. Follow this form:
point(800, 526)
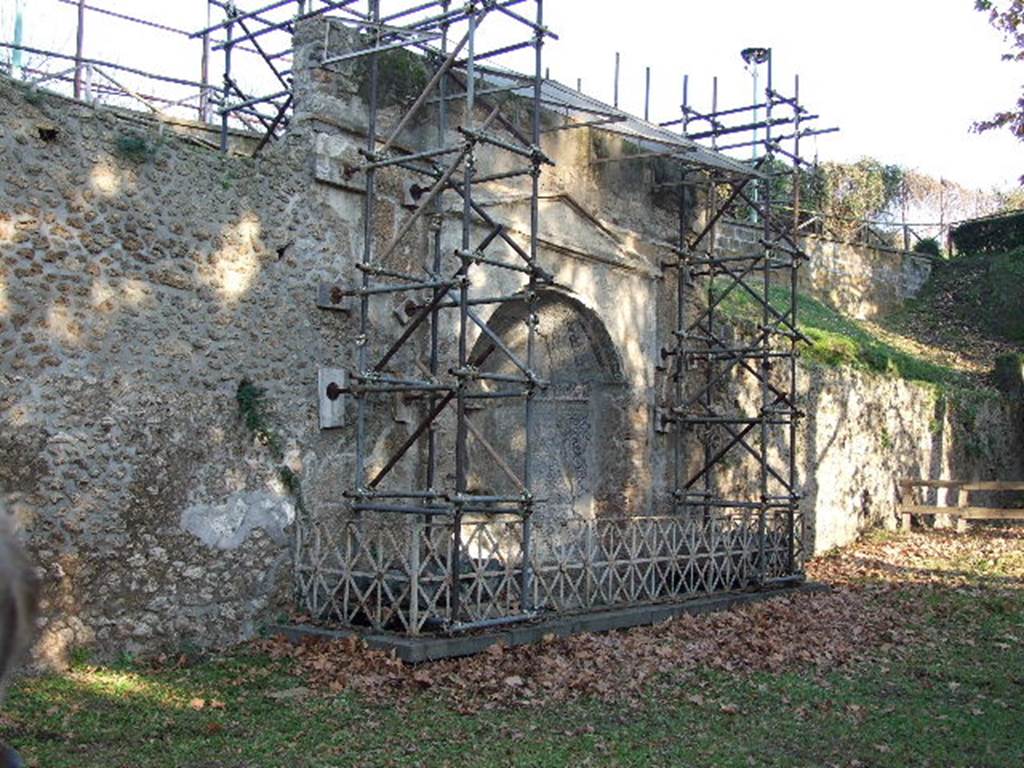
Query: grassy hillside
point(983, 293)
point(838, 340)
point(968, 316)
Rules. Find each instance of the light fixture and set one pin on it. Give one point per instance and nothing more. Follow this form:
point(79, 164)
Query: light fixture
point(755, 55)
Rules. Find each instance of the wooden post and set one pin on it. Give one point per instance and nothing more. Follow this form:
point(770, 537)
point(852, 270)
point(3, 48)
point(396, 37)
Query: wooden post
point(588, 564)
point(415, 534)
point(906, 494)
point(903, 214)
point(942, 208)
point(647, 94)
point(79, 40)
point(16, 69)
point(961, 501)
point(226, 93)
point(615, 98)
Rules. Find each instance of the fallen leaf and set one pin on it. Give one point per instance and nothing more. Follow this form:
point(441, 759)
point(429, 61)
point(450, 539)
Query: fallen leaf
point(874, 612)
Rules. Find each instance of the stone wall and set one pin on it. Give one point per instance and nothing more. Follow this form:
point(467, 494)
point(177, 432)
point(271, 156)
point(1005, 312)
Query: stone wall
point(145, 276)
point(861, 281)
point(862, 432)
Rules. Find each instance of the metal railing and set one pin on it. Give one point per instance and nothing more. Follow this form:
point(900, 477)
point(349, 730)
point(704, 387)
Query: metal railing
point(253, 48)
point(394, 574)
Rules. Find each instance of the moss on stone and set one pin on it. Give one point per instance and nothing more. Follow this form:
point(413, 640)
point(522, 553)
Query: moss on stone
point(135, 148)
point(401, 77)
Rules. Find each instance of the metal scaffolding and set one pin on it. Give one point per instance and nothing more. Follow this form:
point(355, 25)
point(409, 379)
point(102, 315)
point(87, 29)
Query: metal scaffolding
point(264, 33)
point(412, 554)
point(256, 43)
point(760, 516)
point(429, 552)
point(417, 544)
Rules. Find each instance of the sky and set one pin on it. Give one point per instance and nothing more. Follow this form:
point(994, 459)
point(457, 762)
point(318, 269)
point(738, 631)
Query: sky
point(903, 79)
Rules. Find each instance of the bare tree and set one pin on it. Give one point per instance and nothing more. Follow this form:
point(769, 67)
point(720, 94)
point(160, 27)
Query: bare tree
point(1006, 16)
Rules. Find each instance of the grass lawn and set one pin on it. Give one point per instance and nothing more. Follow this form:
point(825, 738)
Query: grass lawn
point(916, 658)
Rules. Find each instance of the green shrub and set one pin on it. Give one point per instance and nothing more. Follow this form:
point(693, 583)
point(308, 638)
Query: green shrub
point(35, 97)
point(992, 234)
point(1005, 278)
point(1009, 373)
point(255, 413)
point(133, 147)
point(929, 246)
point(401, 77)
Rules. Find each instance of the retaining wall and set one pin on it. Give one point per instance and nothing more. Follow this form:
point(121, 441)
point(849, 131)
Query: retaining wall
point(861, 281)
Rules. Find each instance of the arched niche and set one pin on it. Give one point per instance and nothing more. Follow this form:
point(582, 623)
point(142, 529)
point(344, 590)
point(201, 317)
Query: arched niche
point(578, 458)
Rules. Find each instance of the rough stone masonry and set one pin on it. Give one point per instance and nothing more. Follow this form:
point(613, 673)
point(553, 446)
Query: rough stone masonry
point(145, 275)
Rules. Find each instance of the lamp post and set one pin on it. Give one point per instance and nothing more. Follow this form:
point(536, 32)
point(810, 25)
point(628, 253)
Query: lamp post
point(16, 70)
point(753, 57)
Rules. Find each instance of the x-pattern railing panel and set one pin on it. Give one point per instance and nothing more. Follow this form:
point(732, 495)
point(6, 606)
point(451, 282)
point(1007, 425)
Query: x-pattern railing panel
point(392, 574)
point(490, 582)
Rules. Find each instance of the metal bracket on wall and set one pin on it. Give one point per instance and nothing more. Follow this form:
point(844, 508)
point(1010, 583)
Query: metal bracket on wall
point(331, 384)
point(332, 296)
point(412, 194)
point(662, 421)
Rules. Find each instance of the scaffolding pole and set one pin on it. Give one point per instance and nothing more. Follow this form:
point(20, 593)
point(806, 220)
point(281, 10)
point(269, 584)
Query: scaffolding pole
point(443, 501)
point(763, 352)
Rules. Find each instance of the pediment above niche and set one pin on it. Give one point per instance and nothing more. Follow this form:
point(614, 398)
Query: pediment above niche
point(570, 230)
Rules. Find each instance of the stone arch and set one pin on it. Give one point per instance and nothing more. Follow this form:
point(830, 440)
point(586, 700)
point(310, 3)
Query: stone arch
point(580, 416)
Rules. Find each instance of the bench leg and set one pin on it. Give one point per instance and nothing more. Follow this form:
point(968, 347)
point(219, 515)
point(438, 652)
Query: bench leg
point(962, 525)
point(906, 521)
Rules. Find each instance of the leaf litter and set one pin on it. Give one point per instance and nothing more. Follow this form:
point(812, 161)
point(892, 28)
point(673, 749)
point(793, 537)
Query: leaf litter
point(874, 607)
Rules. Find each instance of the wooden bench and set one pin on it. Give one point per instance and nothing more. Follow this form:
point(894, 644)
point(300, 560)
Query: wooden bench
point(963, 511)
